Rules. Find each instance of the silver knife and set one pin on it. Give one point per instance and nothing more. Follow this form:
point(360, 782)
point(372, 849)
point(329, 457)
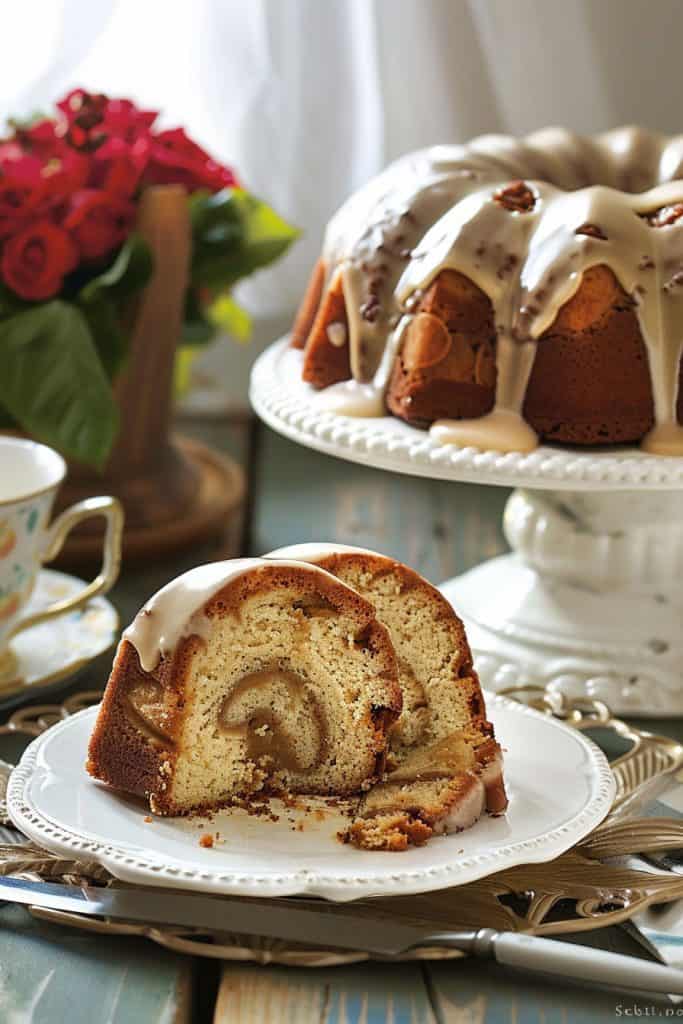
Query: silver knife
point(334, 925)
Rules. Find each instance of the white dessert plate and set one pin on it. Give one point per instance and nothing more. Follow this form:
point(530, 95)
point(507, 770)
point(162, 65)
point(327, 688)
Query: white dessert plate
point(560, 787)
point(51, 653)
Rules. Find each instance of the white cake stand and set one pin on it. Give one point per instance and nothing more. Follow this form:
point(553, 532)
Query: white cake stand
point(590, 602)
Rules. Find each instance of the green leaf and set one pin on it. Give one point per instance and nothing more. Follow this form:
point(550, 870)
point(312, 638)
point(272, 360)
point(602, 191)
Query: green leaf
point(197, 328)
point(215, 216)
point(129, 273)
point(11, 303)
point(109, 337)
point(53, 384)
point(234, 234)
point(230, 317)
point(6, 421)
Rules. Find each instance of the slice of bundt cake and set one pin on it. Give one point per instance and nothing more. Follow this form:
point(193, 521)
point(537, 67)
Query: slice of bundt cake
point(246, 676)
point(442, 698)
point(436, 789)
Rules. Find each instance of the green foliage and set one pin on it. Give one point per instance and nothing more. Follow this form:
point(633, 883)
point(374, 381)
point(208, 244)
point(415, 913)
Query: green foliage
point(229, 316)
point(197, 328)
point(234, 234)
point(103, 298)
point(53, 383)
point(130, 271)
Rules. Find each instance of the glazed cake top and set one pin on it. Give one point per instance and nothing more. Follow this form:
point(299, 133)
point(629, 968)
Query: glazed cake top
point(177, 610)
point(523, 219)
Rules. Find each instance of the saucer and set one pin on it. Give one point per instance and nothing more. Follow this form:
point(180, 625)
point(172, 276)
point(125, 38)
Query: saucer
point(51, 652)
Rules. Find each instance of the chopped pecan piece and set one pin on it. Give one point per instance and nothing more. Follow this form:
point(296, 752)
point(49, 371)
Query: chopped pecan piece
point(517, 197)
point(664, 216)
point(592, 230)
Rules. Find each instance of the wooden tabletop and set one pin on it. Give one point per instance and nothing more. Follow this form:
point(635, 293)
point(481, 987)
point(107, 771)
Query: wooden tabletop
point(48, 974)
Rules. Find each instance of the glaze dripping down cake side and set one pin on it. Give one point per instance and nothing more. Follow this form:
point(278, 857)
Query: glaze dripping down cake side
point(247, 676)
point(508, 291)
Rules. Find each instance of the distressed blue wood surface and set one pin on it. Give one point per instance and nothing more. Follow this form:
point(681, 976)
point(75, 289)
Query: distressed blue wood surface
point(53, 975)
point(435, 526)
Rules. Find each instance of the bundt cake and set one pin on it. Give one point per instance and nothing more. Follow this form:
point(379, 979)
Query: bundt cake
point(247, 676)
point(445, 766)
point(507, 291)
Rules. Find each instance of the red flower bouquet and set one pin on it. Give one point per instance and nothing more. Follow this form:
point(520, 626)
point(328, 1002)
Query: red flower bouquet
point(70, 259)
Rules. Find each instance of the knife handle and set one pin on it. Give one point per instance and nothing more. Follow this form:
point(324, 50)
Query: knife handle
point(568, 961)
point(587, 963)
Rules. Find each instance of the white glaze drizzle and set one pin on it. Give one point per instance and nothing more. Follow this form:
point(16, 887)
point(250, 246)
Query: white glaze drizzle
point(177, 610)
point(434, 209)
point(315, 551)
point(353, 397)
point(465, 811)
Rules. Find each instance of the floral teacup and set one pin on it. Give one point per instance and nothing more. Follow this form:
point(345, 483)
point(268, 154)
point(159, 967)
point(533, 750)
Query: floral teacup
point(30, 475)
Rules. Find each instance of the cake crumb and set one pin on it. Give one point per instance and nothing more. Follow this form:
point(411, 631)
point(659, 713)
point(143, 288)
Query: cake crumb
point(147, 819)
point(206, 840)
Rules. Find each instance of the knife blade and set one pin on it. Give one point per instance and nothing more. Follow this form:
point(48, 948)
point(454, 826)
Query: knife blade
point(319, 924)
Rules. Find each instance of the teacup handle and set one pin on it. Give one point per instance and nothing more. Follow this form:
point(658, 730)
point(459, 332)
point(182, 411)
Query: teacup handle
point(57, 533)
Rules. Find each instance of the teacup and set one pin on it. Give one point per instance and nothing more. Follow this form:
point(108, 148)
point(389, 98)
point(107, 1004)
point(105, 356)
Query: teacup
point(30, 475)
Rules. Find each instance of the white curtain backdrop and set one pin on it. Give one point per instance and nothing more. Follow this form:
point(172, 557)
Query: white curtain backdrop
point(309, 98)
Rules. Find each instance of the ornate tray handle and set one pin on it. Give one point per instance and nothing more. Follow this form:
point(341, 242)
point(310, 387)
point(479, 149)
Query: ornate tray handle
point(36, 718)
point(643, 771)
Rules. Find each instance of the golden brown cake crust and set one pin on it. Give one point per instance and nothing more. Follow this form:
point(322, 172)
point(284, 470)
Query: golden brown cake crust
point(460, 384)
point(590, 383)
point(326, 363)
point(309, 306)
point(119, 753)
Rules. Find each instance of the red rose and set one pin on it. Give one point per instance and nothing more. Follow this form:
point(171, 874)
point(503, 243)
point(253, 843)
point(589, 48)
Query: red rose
point(126, 121)
point(98, 221)
point(176, 160)
point(117, 166)
point(35, 261)
point(43, 139)
point(24, 195)
point(94, 114)
point(67, 173)
point(18, 205)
